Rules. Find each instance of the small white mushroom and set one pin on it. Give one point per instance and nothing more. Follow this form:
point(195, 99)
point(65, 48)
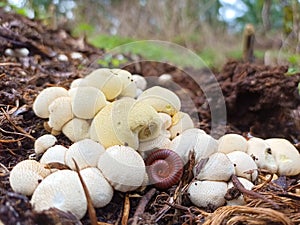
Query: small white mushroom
point(85, 152)
point(99, 189)
point(54, 154)
point(180, 122)
point(140, 81)
point(45, 98)
point(232, 142)
point(240, 200)
point(130, 171)
point(60, 113)
point(86, 101)
point(217, 168)
point(244, 165)
point(262, 154)
point(144, 120)
point(26, 176)
point(61, 190)
point(286, 155)
point(207, 193)
point(165, 79)
point(166, 120)
point(161, 99)
point(107, 81)
point(111, 126)
point(76, 129)
point(44, 142)
point(80, 82)
point(128, 85)
point(195, 140)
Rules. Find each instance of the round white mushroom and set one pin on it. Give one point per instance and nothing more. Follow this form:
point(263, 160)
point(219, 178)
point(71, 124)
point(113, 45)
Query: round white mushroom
point(286, 155)
point(26, 176)
point(262, 154)
point(99, 189)
point(61, 190)
point(207, 193)
point(43, 143)
point(123, 167)
point(240, 199)
point(232, 142)
point(76, 129)
point(244, 165)
point(140, 81)
point(85, 152)
point(55, 154)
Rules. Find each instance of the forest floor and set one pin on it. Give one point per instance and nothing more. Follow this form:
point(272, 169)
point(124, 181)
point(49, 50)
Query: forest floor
point(260, 100)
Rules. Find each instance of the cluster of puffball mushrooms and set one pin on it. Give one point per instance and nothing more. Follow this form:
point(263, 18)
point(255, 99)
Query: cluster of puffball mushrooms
point(116, 125)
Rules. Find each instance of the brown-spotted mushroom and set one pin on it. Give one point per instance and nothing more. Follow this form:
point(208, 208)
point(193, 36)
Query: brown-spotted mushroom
point(61, 190)
point(123, 167)
point(26, 176)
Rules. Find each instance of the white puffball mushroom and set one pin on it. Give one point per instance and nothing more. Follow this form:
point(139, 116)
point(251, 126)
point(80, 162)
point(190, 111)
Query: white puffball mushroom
point(60, 113)
point(244, 165)
point(54, 154)
point(261, 151)
point(207, 193)
point(123, 167)
point(85, 152)
point(107, 81)
point(45, 98)
point(100, 190)
point(195, 140)
point(240, 200)
point(161, 99)
point(44, 142)
point(181, 121)
point(217, 168)
point(140, 81)
point(76, 129)
point(86, 101)
point(232, 142)
point(111, 126)
point(79, 82)
point(26, 176)
point(165, 79)
point(61, 190)
point(286, 156)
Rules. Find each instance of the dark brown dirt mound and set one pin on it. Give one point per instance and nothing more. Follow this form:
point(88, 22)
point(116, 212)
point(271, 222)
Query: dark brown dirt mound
point(259, 99)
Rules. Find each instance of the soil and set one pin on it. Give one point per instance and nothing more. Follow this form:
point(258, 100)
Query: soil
point(260, 101)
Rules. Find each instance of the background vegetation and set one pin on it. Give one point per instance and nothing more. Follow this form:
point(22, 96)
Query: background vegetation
point(211, 28)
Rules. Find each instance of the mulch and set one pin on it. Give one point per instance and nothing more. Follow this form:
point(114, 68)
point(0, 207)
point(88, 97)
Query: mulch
point(260, 100)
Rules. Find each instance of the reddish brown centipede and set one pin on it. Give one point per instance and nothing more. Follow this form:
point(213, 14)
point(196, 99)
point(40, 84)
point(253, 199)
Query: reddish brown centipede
point(164, 168)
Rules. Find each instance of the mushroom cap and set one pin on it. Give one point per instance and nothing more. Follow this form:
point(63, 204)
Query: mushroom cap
point(86, 101)
point(180, 122)
point(85, 152)
point(129, 91)
point(105, 80)
point(54, 154)
point(43, 143)
point(140, 81)
point(80, 82)
point(164, 79)
point(262, 153)
point(166, 120)
point(144, 120)
point(45, 98)
point(76, 129)
point(244, 165)
point(195, 140)
point(240, 200)
point(99, 189)
point(217, 168)
point(111, 126)
point(26, 176)
point(61, 190)
point(286, 156)
point(60, 113)
point(161, 99)
point(123, 167)
point(161, 142)
point(207, 193)
point(232, 142)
